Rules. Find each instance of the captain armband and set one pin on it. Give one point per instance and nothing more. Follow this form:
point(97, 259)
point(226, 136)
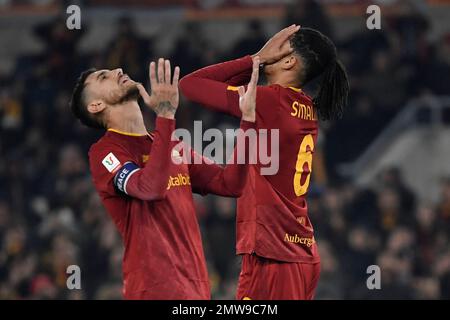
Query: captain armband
point(123, 175)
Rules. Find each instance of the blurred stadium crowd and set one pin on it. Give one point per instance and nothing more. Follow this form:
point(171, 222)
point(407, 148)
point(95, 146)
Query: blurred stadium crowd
point(51, 217)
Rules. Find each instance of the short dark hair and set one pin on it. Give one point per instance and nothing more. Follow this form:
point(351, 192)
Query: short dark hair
point(319, 55)
point(78, 103)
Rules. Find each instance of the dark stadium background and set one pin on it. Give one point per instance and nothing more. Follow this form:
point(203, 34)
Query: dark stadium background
point(51, 217)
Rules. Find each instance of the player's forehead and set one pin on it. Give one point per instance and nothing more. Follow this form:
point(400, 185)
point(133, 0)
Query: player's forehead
point(94, 76)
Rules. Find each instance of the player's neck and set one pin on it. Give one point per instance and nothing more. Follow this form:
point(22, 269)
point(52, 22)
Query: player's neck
point(283, 81)
point(127, 118)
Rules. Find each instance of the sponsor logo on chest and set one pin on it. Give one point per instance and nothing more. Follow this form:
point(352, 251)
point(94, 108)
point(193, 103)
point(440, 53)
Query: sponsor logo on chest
point(179, 181)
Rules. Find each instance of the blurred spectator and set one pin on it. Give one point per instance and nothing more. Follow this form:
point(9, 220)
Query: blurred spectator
point(251, 42)
point(308, 13)
point(190, 48)
point(331, 282)
point(127, 50)
point(60, 59)
point(444, 204)
point(221, 235)
point(383, 77)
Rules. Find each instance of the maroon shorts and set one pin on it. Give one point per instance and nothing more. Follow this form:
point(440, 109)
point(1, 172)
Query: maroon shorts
point(265, 279)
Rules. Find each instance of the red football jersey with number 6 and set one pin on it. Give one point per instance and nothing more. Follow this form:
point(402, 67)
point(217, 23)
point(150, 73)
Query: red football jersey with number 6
point(272, 215)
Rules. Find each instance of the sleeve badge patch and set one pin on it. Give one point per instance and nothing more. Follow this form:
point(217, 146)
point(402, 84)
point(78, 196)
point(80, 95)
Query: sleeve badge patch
point(111, 162)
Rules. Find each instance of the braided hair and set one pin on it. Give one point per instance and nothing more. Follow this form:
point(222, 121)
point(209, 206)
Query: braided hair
point(319, 57)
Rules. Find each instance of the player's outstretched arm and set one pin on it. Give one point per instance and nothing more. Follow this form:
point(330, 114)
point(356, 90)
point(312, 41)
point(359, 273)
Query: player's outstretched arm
point(208, 86)
point(215, 86)
point(150, 182)
point(237, 72)
point(230, 180)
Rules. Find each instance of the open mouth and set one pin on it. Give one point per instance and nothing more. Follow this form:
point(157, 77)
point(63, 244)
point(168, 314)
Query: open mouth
point(123, 78)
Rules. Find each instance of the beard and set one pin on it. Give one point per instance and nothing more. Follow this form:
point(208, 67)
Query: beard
point(131, 94)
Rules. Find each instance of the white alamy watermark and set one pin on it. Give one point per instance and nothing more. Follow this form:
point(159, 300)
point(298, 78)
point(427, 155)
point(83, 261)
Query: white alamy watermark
point(374, 20)
point(374, 280)
point(73, 21)
point(253, 146)
point(74, 279)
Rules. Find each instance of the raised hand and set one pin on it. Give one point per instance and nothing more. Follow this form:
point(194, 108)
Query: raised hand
point(278, 46)
point(247, 99)
point(164, 98)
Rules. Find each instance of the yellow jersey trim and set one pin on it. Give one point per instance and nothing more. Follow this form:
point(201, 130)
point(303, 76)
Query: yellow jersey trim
point(296, 89)
point(127, 133)
point(233, 88)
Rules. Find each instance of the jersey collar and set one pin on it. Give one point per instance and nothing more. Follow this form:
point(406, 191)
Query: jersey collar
point(127, 133)
point(295, 89)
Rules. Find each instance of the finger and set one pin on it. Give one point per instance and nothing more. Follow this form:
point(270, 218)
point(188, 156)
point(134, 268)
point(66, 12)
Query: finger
point(168, 71)
point(144, 94)
point(289, 32)
point(161, 70)
point(176, 76)
point(241, 91)
point(293, 30)
point(152, 74)
point(283, 31)
point(255, 75)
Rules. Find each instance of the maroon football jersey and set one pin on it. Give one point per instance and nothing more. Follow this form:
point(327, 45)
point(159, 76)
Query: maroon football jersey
point(163, 248)
point(272, 214)
point(149, 197)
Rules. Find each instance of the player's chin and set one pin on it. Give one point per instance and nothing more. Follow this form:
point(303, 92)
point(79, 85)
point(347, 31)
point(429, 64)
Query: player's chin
point(131, 91)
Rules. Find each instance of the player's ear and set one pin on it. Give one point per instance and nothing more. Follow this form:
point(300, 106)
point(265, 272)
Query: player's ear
point(96, 106)
point(289, 62)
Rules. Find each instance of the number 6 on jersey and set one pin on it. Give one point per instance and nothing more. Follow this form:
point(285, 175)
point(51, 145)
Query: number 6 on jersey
point(303, 165)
